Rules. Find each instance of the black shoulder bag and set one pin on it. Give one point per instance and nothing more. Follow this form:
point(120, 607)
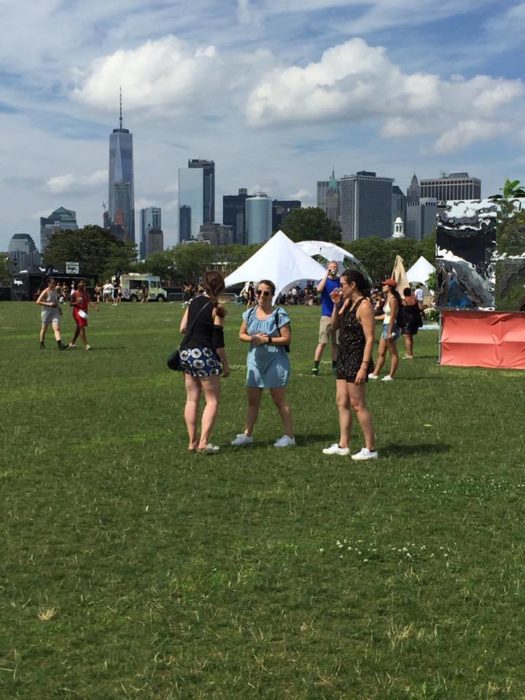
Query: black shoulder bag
point(173, 361)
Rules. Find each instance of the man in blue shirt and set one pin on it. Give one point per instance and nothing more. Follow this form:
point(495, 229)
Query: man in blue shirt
point(329, 282)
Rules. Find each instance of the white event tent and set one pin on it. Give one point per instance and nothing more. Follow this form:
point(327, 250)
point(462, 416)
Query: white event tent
point(328, 251)
point(420, 271)
point(280, 260)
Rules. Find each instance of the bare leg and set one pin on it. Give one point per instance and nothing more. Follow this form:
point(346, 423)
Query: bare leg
point(409, 345)
point(43, 330)
point(381, 354)
point(394, 357)
point(357, 394)
point(254, 403)
point(319, 352)
point(191, 408)
point(211, 386)
point(82, 333)
point(345, 415)
point(279, 399)
point(56, 330)
point(75, 335)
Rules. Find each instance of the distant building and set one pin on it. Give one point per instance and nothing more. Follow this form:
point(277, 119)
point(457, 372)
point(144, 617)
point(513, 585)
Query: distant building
point(281, 208)
point(234, 214)
point(329, 197)
point(258, 218)
point(456, 186)
point(22, 252)
point(59, 220)
point(399, 204)
point(216, 234)
point(421, 212)
point(191, 213)
point(399, 228)
point(120, 215)
point(366, 206)
point(208, 187)
point(151, 236)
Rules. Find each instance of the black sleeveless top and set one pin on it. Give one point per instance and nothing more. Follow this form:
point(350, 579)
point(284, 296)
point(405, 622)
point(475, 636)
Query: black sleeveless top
point(202, 332)
point(351, 346)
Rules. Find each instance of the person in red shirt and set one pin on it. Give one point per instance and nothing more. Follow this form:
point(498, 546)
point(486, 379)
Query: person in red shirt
point(80, 302)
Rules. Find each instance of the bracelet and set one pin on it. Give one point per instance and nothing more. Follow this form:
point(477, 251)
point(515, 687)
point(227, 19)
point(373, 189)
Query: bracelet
point(270, 340)
point(365, 363)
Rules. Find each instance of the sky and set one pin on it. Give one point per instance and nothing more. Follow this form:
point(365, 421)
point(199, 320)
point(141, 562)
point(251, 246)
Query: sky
point(276, 92)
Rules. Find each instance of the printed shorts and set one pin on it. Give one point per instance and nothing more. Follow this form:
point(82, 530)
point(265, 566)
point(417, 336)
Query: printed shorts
point(200, 362)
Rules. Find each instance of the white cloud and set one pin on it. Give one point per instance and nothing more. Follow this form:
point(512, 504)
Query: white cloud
point(61, 184)
point(356, 82)
point(466, 132)
point(156, 74)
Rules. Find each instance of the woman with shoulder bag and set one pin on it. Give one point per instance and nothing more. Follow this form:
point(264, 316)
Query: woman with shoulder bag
point(391, 331)
point(267, 330)
point(203, 360)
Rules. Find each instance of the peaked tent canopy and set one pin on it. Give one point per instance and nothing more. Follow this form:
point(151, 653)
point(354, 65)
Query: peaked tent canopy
point(329, 251)
point(279, 260)
point(399, 274)
point(420, 271)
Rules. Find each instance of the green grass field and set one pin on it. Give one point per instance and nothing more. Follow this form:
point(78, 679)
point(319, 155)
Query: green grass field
point(131, 569)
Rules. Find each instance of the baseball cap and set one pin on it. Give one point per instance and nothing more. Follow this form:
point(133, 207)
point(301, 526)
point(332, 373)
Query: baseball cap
point(390, 281)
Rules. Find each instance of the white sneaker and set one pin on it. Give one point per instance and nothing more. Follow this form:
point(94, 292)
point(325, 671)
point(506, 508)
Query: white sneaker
point(285, 441)
point(372, 376)
point(363, 454)
point(336, 450)
point(242, 440)
point(387, 378)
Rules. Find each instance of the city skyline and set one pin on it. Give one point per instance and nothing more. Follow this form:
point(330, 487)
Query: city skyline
point(359, 86)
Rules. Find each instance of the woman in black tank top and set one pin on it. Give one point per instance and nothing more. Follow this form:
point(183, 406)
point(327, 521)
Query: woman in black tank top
point(353, 316)
point(203, 361)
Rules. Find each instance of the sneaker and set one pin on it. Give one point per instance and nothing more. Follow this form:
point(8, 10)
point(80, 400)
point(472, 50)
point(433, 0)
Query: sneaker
point(364, 454)
point(63, 346)
point(88, 347)
point(209, 449)
point(315, 371)
point(372, 376)
point(387, 378)
point(285, 441)
point(242, 440)
point(71, 346)
point(336, 450)
point(42, 345)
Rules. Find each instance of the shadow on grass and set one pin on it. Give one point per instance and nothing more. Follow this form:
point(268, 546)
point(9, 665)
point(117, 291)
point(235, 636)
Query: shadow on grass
point(391, 450)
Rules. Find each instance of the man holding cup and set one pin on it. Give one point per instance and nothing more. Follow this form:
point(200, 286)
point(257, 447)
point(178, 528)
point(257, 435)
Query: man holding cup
point(325, 287)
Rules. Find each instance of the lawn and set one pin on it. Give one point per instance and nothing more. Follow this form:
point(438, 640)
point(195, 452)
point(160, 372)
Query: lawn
point(131, 569)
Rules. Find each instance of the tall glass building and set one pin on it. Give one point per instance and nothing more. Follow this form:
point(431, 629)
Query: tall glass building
point(151, 237)
point(208, 188)
point(258, 218)
point(60, 220)
point(366, 206)
point(234, 214)
point(22, 252)
point(191, 203)
point(121, 197)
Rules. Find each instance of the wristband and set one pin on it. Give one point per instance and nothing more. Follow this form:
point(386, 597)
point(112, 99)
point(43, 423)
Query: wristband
point(269, 340)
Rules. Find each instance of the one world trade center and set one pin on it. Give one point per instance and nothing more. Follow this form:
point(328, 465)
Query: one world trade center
point(121, 199)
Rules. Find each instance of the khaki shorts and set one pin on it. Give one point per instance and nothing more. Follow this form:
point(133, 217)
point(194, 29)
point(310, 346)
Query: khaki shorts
point(325, 330)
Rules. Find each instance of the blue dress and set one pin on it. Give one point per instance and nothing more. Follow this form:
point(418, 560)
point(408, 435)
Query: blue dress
point(268, 366)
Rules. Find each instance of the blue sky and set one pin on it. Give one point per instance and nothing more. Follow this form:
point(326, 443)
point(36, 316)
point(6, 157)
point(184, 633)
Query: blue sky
point(277, 92)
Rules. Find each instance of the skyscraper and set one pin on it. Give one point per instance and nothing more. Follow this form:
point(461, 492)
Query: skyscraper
point(59, 220)
point(258, 218)
point(329, 197)
point(281, 208)
point(234, 214)
point(366, 206)
point(22, 252)
point(121, 197)
point(191, 203)
point(151, 235)
point(208, 188)
point(421, 212)
point(455, 186)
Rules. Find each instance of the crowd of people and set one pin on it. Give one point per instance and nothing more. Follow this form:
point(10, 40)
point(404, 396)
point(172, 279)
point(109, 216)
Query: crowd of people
point(348, 318)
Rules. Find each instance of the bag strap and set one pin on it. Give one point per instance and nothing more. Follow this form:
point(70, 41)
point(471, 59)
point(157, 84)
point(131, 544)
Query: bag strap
point(189, 330)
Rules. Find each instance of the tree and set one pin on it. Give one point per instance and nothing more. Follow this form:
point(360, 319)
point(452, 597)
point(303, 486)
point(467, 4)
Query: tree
point(310, 224)
point(96, 249)
point(510, 237)
point(192, 260)
point(4, 268)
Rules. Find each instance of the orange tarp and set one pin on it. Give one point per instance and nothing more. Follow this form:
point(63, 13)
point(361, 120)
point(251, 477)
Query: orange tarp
point(483, 339)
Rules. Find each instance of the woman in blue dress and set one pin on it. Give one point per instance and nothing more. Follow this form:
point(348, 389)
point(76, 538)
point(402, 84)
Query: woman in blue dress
point(267, 330)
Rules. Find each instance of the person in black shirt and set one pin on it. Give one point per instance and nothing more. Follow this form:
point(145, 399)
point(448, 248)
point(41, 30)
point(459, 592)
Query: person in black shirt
point(203, 360)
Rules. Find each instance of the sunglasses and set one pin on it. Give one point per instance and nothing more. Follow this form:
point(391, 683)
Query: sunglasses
point(262, 292)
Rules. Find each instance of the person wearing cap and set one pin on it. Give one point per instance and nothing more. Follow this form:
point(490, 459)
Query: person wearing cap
point(326, 286)
point(391, 331)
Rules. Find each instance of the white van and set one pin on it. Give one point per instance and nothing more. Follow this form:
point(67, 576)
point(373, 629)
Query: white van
point(135, 285)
